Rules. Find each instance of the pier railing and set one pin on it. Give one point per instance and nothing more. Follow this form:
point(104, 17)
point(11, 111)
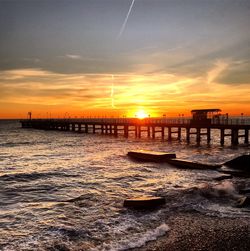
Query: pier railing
point(152, 121)
point(132, 120)
point(146, 121)
point(231, 121)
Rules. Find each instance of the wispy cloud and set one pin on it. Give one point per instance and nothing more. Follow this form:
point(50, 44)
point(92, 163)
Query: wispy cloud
point(72, 56)
point(158, 93)
point(219, 67)
point(32, 60)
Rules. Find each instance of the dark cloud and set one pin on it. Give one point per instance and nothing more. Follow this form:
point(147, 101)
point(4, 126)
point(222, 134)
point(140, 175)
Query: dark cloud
point(187, 35)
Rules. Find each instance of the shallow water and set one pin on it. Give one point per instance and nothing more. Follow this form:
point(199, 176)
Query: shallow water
point(63, 189)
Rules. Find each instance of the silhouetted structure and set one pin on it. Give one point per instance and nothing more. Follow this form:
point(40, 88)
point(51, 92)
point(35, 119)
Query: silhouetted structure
point(29, 115)
point(204, 116)
point(200, 125)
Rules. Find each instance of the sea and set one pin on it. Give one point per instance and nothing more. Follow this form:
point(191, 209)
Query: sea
point(65, 190)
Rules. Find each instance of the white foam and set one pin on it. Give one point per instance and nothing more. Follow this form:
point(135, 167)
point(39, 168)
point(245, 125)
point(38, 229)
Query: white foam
point(37, 242)
point(136, 240)
point(226, 188)
point(225, 211)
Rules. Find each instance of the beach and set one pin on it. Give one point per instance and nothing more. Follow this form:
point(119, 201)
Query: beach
point(199, 232)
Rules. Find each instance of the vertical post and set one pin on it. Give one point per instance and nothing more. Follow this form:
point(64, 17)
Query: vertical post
point(73, 127)
point(126, 131)
point(115, 131)
point(208, 135)
point(179, 133)
point(169, 133)
point(29, 115)
point(222, 136)
point(79, 127)
point(139, 131)
point(102, 129)
point(153, 132)
point(86, 128)
point(148, 131)
point(162, 132)
point(188, 134)
point(246, 136)
point(94, 129)
point(136, 131)
point(234, 137)
point(198, 135)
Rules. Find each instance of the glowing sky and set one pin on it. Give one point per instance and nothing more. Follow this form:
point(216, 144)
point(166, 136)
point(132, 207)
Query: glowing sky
point(75, 58)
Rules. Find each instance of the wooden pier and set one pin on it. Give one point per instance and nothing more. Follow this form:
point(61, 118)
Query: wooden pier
point(166, 129)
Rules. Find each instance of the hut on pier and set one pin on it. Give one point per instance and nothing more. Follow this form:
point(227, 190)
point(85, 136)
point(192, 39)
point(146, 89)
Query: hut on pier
point(204, 116)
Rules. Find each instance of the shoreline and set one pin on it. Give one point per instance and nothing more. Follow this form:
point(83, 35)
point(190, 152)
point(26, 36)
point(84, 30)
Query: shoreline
point(200, 232)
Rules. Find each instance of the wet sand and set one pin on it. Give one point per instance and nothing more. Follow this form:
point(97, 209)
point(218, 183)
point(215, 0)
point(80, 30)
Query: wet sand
point(198, 232)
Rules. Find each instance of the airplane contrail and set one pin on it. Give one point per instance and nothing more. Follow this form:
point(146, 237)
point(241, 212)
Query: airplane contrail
point(126, 19)
point(112, 93)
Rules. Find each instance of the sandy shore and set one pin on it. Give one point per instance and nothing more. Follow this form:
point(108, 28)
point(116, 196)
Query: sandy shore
point(199, 232)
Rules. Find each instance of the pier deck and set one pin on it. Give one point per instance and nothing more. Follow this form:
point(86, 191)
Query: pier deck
point(166, 128)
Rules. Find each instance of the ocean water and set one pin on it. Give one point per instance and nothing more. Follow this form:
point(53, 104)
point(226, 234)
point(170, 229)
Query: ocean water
point(65, 191)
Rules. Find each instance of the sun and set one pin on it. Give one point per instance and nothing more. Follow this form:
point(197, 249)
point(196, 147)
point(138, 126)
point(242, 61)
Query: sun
point(141, 114)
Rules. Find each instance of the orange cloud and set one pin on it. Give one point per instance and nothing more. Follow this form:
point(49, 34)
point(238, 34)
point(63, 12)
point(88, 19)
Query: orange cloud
point(46, 92)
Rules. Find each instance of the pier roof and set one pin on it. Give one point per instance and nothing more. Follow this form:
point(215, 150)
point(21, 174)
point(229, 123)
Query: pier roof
point(206, 110)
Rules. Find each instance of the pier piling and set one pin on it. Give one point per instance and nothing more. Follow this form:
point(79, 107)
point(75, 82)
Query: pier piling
point(150, 126)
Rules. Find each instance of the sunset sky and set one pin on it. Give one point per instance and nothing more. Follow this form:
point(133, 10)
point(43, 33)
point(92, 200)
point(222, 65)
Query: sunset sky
point(81, 58)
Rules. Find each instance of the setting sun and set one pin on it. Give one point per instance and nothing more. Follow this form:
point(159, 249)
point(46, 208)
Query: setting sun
point(141, 114)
